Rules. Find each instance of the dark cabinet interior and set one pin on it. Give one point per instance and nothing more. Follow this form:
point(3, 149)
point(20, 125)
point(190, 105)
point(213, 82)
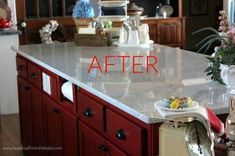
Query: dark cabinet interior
point(150, 6)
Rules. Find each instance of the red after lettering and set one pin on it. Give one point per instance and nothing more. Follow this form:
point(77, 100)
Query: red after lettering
point(95, 59)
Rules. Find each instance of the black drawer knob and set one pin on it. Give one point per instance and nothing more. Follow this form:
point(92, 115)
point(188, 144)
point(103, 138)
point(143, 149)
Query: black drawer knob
point(27, 88)
point(103, 148)
point(20, 68)
point(33, 76)
point(55, 110)
point(88, 112)
point(120, 134)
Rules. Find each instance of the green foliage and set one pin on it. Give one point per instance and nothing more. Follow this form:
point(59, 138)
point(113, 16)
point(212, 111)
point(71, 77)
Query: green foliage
point(225, 54)
point(214, 69)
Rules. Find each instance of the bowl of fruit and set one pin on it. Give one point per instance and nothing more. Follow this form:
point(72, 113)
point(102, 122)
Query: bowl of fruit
point(174, 103)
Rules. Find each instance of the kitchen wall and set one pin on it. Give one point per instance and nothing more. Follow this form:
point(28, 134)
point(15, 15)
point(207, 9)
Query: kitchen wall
point(12, 5)
point(196, 22)
point(8, 83)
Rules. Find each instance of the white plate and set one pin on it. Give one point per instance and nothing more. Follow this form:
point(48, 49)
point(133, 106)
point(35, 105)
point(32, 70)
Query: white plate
point(113, 3)
point(162, 107)
point(141, 45)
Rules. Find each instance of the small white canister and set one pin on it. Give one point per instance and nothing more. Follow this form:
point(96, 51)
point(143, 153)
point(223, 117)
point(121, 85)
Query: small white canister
point(122, 36)
point(143, 33)
point(133, 37)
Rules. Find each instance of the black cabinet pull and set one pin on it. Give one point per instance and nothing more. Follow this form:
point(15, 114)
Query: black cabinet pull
point(103, 148)
point(120, 134)
point(27, 88)
point(20, 68)
point(55, 110)
point(88, 112)
point(33, 76)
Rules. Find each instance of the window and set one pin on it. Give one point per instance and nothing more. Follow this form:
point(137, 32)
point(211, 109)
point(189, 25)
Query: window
point(49, 8)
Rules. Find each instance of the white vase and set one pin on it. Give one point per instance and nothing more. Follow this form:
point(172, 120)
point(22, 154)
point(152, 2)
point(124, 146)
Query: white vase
point(228, 76)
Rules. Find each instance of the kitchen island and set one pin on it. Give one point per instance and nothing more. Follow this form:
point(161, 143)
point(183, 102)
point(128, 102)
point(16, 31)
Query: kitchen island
point(113, 103)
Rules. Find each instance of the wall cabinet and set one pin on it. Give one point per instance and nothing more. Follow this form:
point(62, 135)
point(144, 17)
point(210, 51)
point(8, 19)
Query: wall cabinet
point(169, 31)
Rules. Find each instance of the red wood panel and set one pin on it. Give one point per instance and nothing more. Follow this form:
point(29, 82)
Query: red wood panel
point(21, 66)
point(34, 75)
point(54, 127)
point(114, 151)
point(25, 112)
point(91, 112)
point(125, 134)
point(70, 134)
point(91, 144)
point(37, 121)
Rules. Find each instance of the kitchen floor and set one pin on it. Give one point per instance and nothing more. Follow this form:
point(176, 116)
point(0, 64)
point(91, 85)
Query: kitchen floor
point(10, 135)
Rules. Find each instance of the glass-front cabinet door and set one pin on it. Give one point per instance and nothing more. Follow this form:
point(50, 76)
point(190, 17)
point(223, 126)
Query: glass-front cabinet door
point(37, 13)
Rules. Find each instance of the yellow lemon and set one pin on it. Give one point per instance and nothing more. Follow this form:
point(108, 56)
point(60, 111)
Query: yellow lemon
point(175, 104)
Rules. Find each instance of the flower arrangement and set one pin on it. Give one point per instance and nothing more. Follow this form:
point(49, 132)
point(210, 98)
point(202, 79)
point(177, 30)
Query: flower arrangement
point(225, 52)
point(83, 9)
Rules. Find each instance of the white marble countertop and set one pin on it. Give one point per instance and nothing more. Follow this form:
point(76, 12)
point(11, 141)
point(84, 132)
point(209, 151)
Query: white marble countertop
point(180, 73)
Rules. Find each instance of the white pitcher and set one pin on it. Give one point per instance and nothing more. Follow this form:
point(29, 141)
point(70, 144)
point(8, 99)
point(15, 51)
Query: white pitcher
point(133, 37)
point(228, 76)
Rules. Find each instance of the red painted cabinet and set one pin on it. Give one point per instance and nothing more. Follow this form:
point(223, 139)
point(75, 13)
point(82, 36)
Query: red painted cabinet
point(125, 134)
point(90, 142)
point(90, 127)
point(113, 150)
point(24, 93)
point(61, 130)
point(21, 66)
point(91, 112)
point(31, 117)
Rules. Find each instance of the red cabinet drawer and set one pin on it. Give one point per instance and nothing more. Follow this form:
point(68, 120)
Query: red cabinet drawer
point(34, 75)
point(21, 66)
point(91, 112)
point(125, 134)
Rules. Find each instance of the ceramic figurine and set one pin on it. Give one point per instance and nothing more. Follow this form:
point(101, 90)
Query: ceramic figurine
point(46, 31)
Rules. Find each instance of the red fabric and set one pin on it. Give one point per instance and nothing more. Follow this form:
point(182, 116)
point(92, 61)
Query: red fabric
point(216, 125)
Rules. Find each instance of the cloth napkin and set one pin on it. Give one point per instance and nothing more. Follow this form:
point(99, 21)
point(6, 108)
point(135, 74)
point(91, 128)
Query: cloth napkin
point(216, 124)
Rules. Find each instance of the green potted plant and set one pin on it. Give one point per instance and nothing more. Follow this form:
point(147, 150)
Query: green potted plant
point(222, 62)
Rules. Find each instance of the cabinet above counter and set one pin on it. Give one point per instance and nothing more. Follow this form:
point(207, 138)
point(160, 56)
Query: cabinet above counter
point(134, 93)
point(167, 31)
